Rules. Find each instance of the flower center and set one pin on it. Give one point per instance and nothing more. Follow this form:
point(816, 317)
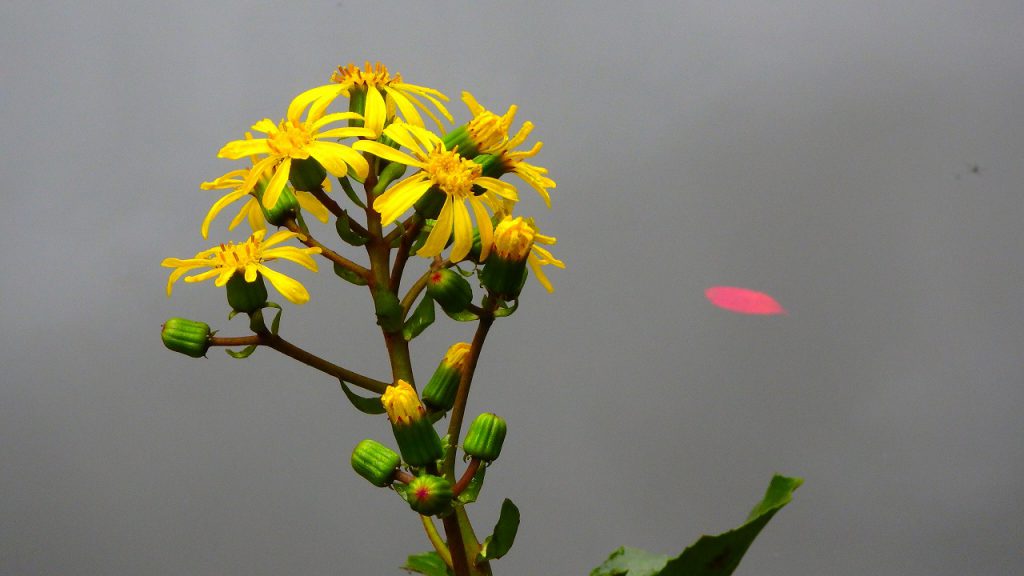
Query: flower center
point(237, 256)
point(370, 76)
point(452, 173)
point(290, 140)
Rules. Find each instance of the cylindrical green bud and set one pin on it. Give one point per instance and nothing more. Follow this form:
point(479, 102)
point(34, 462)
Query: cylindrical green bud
point(246, 297)
point(449, 289)
point(307, 174)
point(429, 205)
point(417, 440)
point(492, 165)
point(375, 462)
point(504, 273)
point(429, 494)
point(287, 206)
point(460, 137)
point(357, 104)
point(439, 393)
point(485, 437)
point(188, 337)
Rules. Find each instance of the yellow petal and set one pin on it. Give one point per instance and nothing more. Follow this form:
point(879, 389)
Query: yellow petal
point(216, 208)
point(310, 204)
point(375, 113)
point(273, 191)
point(386, 152)
point(400, 197)
point(287, 286)
point(483, 223)
point(241, 148)
point(442, 231)
point(328, 91)
point(463, 231)
point(336, 158)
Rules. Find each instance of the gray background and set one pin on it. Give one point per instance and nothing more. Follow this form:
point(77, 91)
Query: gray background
point(816, 151)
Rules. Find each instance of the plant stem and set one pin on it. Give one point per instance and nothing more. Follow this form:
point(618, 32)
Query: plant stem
point(435, 539)
point(325, 251)
point(467, 476)
point(288, 349)
point(460, 564)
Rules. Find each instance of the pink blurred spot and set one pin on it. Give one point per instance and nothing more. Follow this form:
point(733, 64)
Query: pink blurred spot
point(743, 301)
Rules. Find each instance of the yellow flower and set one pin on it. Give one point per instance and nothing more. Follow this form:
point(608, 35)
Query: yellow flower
point(402, 404)
point(489, 133)
point(251, 211)
point(298, 139)
point(383, 94)
point(515, 238)
point(450, 173)
point(247, 258)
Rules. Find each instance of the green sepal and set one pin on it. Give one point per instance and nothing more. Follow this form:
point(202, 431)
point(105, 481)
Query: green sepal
point(500, 541)
point(422, 317)
point(350, 192)
point(429, 205)
point(491, 165)
point(418, 442)
point(243, 353)
point(307, 174)
point(505, 310)
point(188, 337)
point(485, 437)
point(460, 137)
point(503, 278)
point(357, 104)
point(276, 323)
point(349, 276)
point(449, 289)
point(436, 497)
point(439, 393)
point(246, 297)
point(287, 206)
point(365, 405)
point(388, 174)
point(427, 563)
point(375, 462)
point(464, 316)
point(388, 310)
point(710, 555)
point(472, 491)
point(345, 232)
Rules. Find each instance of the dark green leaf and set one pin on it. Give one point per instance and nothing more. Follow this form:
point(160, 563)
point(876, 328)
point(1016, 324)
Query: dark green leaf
point(364, 405)
point(498, 544)
point(347, 187)
point(345, 232)
point(473, 490)
point(463, 316)
point(348, 275)
point(710, 555)
point(428, 563)
point(243, 353)
point(422, 317)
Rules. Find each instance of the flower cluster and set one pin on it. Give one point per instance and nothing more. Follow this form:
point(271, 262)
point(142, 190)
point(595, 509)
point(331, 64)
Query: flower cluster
point(456, 193)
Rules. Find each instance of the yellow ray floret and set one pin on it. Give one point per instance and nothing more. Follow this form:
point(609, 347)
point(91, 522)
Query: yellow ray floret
point(449, 173)
point(247, 258)
point(294, 138)
point(384, 94)
point(517, 237)
point(401, 403)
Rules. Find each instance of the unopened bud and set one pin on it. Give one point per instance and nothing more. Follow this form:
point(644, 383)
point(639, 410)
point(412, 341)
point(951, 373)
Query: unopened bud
point(449, 289)
point(485, 437)
point(429, 494)
point(188, 337)
point(375, 462)
point(439, 393)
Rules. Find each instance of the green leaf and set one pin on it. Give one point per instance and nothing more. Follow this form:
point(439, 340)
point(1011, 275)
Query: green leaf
point(472, 491)
point(422, 317)
point(498, 544)
point(276, 324)
point(463, 316)
point(364, 405)
point(348, 275)
point(347, 187)
point(710, 555)
point(243, 353)
point(631, 562)
point(505, 310)
point(428, 563)
point(345, 232)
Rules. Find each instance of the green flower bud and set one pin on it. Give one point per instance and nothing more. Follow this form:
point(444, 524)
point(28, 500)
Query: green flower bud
point(449, 289)
point(485, 437)
point(287, 206)
point(429, 205)
point(246, 297)
point(429, 495)
point(188, 337)
point(417, 440)
point(439, 393)
point(307, 174)
point(504, 273)
point(375, 462)
point(460, 137)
